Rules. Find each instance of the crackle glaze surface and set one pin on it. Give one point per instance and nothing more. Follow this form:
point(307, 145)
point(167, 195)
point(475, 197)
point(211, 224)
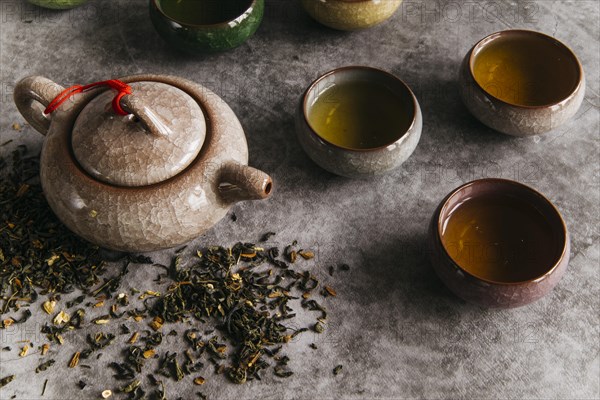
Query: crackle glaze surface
point(515, 120)
point(208, 38)
point(157, 216)
point(480, 291)
point(119, 150)
point(351, 15)
point(358, 163)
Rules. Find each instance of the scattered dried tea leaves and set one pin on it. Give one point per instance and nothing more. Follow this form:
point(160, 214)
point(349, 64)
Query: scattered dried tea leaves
point(6, 380)
point(245, 292)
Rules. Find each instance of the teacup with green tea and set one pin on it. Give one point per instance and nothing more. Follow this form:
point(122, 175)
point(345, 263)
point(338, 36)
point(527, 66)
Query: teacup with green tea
point(359, 121)
point(200, 26)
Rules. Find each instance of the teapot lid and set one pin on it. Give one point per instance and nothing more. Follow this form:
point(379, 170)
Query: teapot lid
point(161, 137)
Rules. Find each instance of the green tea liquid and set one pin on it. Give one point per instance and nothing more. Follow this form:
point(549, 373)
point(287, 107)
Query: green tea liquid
point(204, 12)
point(360, 115)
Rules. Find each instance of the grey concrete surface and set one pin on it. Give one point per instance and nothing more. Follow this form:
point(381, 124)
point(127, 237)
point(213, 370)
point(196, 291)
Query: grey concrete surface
point(394, 327)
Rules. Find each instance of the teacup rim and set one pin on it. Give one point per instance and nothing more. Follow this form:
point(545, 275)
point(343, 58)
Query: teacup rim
point(216, 25)
point(537, 279)
point(489, 38)
point(373, 70)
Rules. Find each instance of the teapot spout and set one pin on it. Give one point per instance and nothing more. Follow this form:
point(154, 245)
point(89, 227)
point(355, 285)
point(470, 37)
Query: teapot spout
point(239, 182)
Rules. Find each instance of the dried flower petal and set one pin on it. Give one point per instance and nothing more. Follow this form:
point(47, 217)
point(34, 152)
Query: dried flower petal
point(48, 306)
point(74, 360)
point(61, 318)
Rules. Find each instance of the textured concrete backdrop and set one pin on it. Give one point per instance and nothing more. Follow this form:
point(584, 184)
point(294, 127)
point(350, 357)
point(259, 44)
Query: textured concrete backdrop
point(398, 332)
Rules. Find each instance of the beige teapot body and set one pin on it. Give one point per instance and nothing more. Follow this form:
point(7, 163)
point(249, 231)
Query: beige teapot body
point(114, 203)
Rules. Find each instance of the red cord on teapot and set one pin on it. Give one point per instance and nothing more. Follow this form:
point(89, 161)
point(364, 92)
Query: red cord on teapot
point(116, 84)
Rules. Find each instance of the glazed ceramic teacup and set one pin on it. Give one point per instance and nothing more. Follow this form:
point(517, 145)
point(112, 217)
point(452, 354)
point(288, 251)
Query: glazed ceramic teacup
point(58, 4)
point(204, 26)
point(349, 15)
point(358, 121)
point(522, 83)
point(498, 243)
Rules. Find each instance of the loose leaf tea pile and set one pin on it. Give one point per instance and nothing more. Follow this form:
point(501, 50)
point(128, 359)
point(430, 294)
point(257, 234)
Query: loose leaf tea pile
point(38, 255)
point(233, 303)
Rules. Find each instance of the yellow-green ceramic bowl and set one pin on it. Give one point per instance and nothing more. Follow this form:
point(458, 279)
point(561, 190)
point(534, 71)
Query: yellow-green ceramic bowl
point(350, 15)
point(58, 4)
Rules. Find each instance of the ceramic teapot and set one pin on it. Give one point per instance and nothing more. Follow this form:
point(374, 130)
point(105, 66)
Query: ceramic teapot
point(155, 177)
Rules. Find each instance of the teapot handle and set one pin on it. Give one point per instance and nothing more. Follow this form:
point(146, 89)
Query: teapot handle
point(238, 182)
point(29, 94)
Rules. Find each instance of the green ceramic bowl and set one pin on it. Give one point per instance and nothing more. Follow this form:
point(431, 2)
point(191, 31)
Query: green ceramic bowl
point(206, 26)
point(58, 4)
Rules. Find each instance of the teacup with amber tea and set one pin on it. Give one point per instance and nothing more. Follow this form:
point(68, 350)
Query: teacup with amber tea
point(522, 83)
point(498, 243)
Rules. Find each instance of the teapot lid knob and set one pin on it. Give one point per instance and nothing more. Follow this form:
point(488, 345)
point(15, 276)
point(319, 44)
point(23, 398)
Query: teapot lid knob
point(161, 137)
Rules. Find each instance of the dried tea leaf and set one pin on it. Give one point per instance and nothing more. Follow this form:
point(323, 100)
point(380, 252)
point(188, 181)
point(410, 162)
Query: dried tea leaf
point(131, 387)
point(337, 370)
point(44, 366)
point(267, 236)
point(6, 380)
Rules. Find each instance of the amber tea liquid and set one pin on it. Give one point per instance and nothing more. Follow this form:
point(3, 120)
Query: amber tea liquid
point(526, 70)
point(360, 115)
point(500, 238)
